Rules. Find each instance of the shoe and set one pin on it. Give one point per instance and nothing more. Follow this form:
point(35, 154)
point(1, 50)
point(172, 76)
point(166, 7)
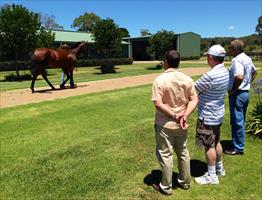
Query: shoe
point(233, 152)
point(184, 187)
point(73, 86)
point(207, 179)
point(221, 172)
point(159, 189)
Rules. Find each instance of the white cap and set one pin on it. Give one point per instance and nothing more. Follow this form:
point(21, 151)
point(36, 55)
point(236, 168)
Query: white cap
point(216, 50)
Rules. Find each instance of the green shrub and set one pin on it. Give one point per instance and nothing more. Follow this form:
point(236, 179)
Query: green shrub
point(14, 77)
point(25, 65)
point(254, 126)
point(254, 123)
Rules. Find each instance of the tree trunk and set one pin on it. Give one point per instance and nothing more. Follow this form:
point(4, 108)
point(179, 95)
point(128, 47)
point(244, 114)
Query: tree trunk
point(16, 66)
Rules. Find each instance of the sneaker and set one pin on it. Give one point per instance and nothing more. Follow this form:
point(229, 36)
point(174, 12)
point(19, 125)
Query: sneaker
point(221, 172)
point(207, 179)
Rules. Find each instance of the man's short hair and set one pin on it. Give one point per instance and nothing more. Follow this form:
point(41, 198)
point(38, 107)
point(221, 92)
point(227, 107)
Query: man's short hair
point(172, 57)
point(237, 45)
point(218, 58)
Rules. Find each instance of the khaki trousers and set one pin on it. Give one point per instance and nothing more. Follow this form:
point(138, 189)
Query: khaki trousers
point(169, 141)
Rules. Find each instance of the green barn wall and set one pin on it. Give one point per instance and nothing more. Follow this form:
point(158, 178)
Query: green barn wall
point(188, 45)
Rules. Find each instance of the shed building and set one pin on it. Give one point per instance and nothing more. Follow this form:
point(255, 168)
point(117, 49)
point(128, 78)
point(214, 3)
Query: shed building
point(187, 44)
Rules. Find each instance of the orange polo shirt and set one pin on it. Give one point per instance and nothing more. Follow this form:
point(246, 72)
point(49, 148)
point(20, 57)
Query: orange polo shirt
point(174, 89)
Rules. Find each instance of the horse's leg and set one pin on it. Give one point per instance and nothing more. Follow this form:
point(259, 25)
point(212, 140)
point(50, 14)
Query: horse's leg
point(33, 82)
point(45, 77)
point(67, 78)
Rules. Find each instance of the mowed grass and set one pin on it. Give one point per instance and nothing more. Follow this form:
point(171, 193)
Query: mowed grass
point(85, 74)
point(101, 146)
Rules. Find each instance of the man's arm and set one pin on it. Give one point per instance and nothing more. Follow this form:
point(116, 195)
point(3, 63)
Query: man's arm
point(203, 84)
point(254, 74)
point(192, 104)
point(237, 82)
point(165, 109)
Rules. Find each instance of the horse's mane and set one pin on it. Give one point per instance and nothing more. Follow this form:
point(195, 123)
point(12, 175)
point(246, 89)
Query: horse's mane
point(65, 46)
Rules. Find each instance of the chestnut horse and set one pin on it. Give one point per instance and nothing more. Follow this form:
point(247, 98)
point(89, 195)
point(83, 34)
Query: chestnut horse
point(64, 58)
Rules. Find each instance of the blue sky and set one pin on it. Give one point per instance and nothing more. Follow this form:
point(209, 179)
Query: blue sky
point(207, 18)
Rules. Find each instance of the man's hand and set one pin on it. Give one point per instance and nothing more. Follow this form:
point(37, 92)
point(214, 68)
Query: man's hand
point(178, 116)
point(183, 122)
point(181, 119)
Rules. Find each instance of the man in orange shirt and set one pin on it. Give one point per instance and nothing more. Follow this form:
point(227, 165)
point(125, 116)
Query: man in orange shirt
point(175, 98)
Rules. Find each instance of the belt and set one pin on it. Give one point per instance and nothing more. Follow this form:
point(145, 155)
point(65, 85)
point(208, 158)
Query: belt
point(240, 91)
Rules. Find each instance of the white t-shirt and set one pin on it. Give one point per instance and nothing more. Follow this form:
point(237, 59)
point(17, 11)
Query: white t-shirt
point(242, 65)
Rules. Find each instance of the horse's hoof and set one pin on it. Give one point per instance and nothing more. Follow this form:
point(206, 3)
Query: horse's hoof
point(62, 86)
point(53, 88)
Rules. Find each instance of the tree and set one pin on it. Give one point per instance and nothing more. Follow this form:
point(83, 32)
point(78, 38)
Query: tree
point(159, 43)
point(144, 32)
point(86, 22)
point(48, 22)
point(259, 26)
point(124, 32)
point(108, 37)
point(45, 38)
point(20, 30)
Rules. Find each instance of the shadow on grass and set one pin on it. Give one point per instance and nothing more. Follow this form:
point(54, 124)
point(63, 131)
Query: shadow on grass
point(226, 144)
point(108, 72)
point(153, 68)
point(155, 177)
point(197, 168)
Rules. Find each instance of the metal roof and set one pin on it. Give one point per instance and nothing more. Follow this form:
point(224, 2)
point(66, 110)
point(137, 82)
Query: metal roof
point(72, 36)
point(149, 36)
point(75, 36)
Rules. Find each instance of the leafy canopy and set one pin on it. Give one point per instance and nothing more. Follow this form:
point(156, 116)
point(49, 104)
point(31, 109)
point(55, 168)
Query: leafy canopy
point(85, 22)
point(21, 32)
point(144, 32)
point(108, 37)
point(160, 42)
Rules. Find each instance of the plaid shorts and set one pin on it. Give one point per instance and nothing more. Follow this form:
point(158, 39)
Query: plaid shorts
point(207, 136)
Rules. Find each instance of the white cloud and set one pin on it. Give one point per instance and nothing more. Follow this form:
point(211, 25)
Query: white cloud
point(231, 28)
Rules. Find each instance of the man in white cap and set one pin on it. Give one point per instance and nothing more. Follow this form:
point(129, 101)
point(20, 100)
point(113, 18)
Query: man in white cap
point(211, 89)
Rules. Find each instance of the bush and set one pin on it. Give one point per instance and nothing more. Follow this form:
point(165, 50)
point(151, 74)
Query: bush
point(159, 66)
point(11, 65)
point(190, 58)
point(25, 65)
point(254, 123)
point(254, 126)
point(14, 77)
point(107, 64)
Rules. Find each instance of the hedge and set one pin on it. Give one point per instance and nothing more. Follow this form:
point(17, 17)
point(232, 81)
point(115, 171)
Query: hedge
point(26, 65)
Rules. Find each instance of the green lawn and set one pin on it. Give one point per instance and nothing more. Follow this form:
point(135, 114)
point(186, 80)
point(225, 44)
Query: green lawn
point(101, 146)
point(84, 74)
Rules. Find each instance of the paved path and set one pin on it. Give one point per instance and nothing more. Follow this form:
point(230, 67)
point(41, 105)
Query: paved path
point(24, 96)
